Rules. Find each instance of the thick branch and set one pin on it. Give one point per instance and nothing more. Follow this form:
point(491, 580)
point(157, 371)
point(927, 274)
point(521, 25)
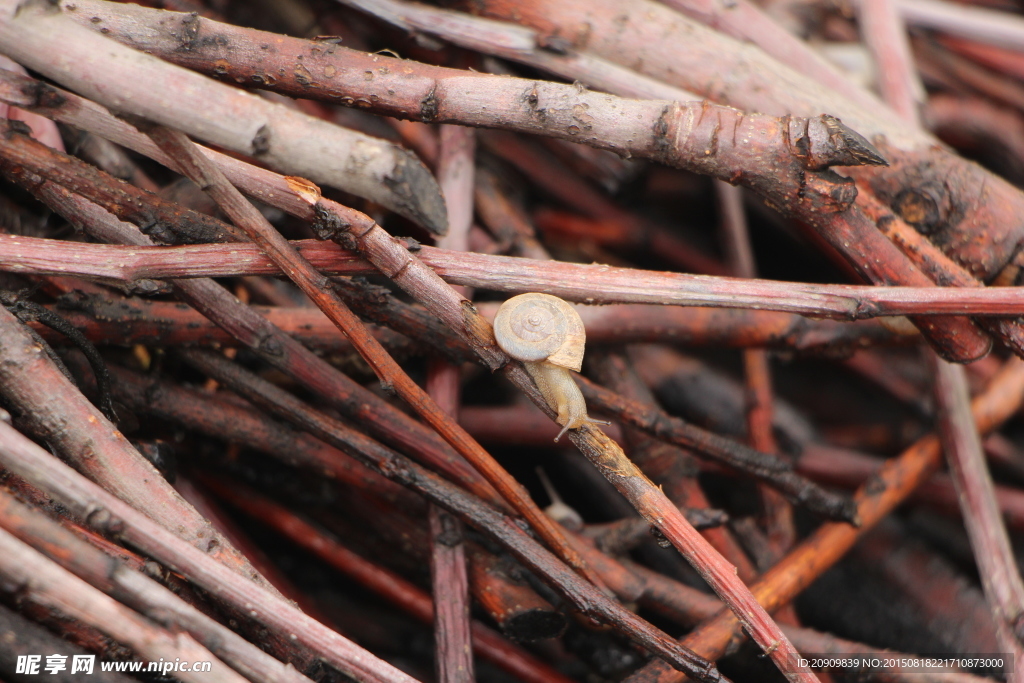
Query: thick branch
point(108, 515)
point(140, 592)
point(55, 410)
point(583, 595)
point(35, 578)
point(201, 170)
point(893, 483)
point(780, 158)
point(248, 124)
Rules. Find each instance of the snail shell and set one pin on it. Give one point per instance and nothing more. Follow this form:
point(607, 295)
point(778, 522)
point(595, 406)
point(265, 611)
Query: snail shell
point(541, 327)
point(548, 336)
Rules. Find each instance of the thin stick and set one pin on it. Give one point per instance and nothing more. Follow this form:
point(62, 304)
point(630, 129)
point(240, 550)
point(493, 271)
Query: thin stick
point(39, 580)
point(453, 654)
point(643, 415)
point(589, 284)
point(140, 592)
point(719, 574)
point(882, 28)
point(1000, 577)
point(756, 370)
point(416, 279)
point(317, 287)
point(582, 594)
point(107, 515)
point(456, 173)
point(488, 644)
point(892, 484)
point(55, 410)
point(109, 319)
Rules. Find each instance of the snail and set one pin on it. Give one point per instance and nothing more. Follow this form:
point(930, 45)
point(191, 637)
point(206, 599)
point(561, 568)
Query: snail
point(547, 335)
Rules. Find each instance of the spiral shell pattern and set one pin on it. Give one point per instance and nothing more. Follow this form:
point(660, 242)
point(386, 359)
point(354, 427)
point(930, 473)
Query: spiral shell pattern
point(537, 327)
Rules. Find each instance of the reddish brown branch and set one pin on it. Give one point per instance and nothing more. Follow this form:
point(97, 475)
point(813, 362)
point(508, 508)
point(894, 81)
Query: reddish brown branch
point(453, 659)
point(109, 319)
point(757, 374)
point(394, 588)
point(582, 594)
point(108, 515)
point(37, 579)
point(49, 405)
point(997, 565)
point(719, 574)
point(139, 592)
point(575, 282)
point(831, 541)
point(280, 136)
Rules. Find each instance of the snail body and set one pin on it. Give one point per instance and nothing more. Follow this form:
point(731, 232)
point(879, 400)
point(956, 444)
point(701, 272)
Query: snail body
point(561, 393)
point(547, 335)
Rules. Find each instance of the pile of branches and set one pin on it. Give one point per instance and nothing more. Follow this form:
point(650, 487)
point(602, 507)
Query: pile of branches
point(250, 259)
